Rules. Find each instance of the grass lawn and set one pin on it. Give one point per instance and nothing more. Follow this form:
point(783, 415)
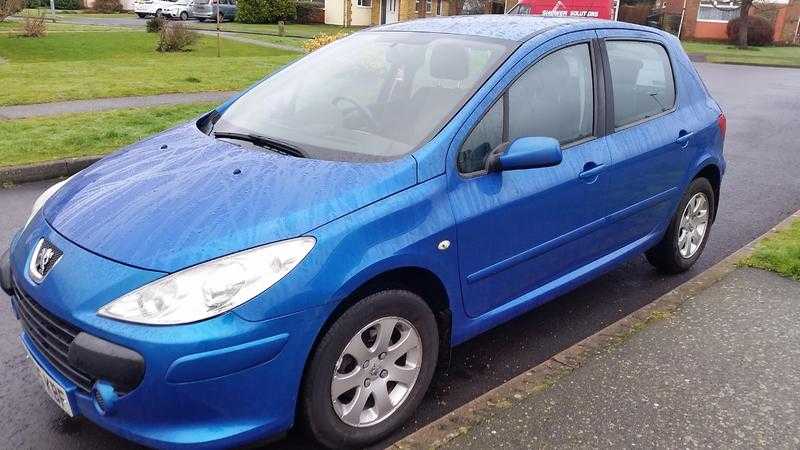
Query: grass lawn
point(70, 66)
point(41, 139)
point(726, 53)
point(779, 253)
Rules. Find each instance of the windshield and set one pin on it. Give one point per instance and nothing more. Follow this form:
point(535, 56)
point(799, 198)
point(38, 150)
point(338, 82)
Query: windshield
point(373, 96)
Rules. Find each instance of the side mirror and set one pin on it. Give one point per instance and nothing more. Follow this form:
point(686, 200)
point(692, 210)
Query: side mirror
point(526, 153)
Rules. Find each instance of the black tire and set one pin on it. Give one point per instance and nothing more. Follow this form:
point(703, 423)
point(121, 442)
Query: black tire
point(159, 13)
point(141, 15)
point(200, 19)
point(319, 417)
point(184, 16)
point(666, 255)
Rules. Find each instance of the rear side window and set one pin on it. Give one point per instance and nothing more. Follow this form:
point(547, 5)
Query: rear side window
point(641, 76)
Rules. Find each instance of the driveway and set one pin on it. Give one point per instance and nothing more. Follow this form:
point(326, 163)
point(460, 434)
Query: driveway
point(760, 188)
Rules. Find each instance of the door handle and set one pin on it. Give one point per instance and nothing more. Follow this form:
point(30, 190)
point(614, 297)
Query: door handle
point(591, 170)
point(683, 138)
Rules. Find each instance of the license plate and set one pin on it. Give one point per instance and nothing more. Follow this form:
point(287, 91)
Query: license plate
point(53, 389)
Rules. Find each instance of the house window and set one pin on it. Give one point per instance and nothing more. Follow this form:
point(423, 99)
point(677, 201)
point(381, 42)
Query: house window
point(366, 3)
point(718, 10)
point(428, 6)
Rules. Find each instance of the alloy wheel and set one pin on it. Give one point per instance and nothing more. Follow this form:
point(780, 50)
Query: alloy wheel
point(376, 371)
point(693, 225)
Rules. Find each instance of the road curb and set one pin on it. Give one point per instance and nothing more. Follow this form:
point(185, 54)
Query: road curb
point(46, 170)
point(544, 375)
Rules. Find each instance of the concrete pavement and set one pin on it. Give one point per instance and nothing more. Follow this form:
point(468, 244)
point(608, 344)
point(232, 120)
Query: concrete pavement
point(720, 372)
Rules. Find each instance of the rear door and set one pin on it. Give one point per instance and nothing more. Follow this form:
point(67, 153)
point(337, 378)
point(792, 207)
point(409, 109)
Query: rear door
point(650, 134)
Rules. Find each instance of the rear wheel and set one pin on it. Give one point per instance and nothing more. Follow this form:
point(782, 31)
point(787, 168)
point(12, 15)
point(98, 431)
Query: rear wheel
point(184, 16)
point(141, 15)
point(370, 370)
point(688, 232)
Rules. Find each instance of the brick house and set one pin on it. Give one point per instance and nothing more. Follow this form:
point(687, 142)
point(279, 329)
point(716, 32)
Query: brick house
point(708, 19)
point(377, 12)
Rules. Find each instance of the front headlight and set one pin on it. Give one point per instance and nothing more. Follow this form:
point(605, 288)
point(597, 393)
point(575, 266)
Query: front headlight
point(42, 199)
point(211, 288)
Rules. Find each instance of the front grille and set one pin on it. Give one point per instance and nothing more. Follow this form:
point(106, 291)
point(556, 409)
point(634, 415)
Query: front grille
point(52, 337)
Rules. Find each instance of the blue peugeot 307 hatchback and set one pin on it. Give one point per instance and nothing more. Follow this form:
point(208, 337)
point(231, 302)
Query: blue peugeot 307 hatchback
point(309, 251)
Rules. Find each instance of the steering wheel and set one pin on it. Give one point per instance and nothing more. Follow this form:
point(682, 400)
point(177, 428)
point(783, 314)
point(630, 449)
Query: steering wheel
point(356, 107)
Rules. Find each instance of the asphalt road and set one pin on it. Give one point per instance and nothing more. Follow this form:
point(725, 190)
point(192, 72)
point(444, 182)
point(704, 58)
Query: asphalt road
point(760, 188)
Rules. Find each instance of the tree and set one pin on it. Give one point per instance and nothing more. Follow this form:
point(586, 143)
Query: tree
point(745, 7)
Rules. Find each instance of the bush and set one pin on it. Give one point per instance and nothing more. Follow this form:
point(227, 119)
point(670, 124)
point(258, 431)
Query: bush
point(33, 27)
point(9, 7)
point(307, 11)
point(759, 30)
point(320, 41)
point(155, 24)
point(265, 11)
point(175, 37)
point(107, 6)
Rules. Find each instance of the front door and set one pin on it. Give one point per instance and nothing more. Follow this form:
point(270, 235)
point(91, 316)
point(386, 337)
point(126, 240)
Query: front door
point(520, 229)
point(389, 9)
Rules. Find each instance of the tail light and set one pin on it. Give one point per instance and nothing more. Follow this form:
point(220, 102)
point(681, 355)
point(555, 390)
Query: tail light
point(722, 122)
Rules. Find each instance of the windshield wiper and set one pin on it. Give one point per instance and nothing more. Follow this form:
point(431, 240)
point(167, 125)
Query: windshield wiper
point(262, 141)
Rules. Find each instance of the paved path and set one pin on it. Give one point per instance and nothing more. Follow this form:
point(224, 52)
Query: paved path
point(103, 104)
point(239, 38)
point(720, 373)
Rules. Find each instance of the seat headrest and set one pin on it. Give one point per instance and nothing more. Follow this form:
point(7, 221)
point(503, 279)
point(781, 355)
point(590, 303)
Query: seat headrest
point(449, 61)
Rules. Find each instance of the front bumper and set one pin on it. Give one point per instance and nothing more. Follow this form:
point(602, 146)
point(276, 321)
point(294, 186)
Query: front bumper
point(221, 382)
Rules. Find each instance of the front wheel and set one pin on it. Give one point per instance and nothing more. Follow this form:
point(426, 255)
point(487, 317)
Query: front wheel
point(184, 16)
point(688, 231)
point(370, 370)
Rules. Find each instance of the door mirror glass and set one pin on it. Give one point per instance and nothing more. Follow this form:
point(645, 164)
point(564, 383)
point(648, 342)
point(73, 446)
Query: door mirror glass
point(527, 153)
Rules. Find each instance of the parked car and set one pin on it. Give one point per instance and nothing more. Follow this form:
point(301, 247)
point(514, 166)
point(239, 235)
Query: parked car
point(180, 9)
point(208, 9)
point(157, 8)
point(312, 248)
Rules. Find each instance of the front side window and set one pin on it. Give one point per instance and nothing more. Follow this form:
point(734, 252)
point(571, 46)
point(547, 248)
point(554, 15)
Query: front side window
point(554, 98)
point(373, 96)
point(486, 135)
point(641, 76)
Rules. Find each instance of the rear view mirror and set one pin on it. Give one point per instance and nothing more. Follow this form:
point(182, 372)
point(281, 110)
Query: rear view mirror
point(527, 153)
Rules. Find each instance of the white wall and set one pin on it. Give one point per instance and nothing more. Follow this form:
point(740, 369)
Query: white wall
point(360, 15)
point(334, 10)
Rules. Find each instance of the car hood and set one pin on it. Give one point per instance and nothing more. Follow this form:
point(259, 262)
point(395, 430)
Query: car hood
point(182, 197)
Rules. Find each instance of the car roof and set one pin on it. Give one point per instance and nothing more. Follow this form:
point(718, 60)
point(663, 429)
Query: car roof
point(514, 27)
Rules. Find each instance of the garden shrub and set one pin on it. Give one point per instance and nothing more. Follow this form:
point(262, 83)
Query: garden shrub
point(67, 4)
point(107, 6)
point(155, 24)
point(320, 41)
point(9, 7)
point(175, 37)
point(32, 26)
point(759, 30)
point(265, 11)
